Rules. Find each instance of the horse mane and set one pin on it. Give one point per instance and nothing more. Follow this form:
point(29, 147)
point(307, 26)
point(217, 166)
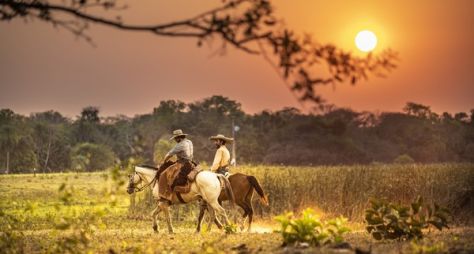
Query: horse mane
point(158, 170)
point(148, 167)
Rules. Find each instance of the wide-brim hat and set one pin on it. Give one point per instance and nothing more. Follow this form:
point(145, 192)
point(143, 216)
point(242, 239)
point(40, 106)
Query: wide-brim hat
point(178, 133)
point(222, 137)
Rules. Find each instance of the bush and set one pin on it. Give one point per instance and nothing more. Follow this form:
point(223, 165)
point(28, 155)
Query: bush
point(88, 157)
point(310, 229)
point(404, 159)
point(391, 221)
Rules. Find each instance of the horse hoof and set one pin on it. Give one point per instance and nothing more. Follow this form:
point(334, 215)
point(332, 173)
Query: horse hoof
point(155, 228)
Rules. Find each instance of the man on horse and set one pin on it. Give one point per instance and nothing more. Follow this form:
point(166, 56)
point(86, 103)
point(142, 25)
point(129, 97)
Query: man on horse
point(184, 153)
point(222, 157)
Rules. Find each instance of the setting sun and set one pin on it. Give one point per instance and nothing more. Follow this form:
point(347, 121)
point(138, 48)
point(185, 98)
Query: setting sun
point(366, 41)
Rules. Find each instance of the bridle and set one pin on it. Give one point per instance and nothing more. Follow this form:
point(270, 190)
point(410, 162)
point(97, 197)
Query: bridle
point(138, 189)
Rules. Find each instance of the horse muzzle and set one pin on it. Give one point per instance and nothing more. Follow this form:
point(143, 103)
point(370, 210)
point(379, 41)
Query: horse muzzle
point(130, 190)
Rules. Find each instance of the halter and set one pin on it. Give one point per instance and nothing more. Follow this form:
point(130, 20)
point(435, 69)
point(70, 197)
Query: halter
point(138, 189)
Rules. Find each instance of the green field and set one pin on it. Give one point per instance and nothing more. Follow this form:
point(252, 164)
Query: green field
point(90, 212)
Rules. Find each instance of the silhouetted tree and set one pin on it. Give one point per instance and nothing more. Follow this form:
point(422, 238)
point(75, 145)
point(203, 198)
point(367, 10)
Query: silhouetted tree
point(287, 136)
point(15, 142)
point(51, 138)
point(90, 114)
point(87, 128)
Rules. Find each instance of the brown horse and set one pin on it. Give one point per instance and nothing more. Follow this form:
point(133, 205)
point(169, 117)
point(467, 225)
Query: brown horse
point(242, 186)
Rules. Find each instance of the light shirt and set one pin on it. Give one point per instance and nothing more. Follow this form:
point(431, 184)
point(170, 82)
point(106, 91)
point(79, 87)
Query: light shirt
point(221, 159)
point(182, 150)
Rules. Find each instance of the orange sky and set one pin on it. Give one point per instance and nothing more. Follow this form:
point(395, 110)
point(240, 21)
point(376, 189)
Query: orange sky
point(42, 68)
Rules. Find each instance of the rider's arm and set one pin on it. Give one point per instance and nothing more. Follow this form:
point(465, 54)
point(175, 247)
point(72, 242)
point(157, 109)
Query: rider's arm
point(167, 157)
point(176, 149)
point(217, 160)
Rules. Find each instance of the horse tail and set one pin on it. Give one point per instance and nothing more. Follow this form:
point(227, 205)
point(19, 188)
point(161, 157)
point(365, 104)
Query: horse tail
point(254, 183)
point(228, 189)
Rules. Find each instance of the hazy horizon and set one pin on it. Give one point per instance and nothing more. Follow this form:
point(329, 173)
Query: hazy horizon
point(102, 114)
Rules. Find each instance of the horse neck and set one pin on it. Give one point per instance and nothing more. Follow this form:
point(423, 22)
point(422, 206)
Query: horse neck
point(149, 174)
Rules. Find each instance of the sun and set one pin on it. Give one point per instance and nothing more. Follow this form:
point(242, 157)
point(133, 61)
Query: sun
point(366, 41)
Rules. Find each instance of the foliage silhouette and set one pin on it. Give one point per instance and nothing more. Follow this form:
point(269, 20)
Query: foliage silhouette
point(247, 25)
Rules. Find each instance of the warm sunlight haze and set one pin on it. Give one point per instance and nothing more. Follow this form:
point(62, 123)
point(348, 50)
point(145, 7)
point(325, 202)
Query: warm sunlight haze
point(236, 126)
point(366, 41)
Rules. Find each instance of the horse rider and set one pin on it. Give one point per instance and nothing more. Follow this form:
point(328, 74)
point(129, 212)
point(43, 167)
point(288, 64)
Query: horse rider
point(184, 152)
point(222, 157)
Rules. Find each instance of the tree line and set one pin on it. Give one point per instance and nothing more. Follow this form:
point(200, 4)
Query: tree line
point(50, 142)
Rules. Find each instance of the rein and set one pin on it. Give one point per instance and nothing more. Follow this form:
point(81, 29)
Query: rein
point(138, 189)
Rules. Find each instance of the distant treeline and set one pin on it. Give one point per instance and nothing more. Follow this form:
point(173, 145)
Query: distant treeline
point(49, 142)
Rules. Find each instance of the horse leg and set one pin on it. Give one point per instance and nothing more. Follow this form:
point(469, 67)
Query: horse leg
point(213, 218)
point(244, 215)
point(250, 213)
point(219, 210)
point(249, 207)
point(165, 208)
point(202, 210)
point(217, 222)
point(154, 214)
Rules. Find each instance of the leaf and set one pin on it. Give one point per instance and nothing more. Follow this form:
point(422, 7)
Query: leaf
point(377, 236)
point(415, 207)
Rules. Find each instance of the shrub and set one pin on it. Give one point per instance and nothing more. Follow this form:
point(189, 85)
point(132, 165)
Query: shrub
point(88, 156)
point(230, 228)
point(310, 229)
point(404, 159)
point(394, 221)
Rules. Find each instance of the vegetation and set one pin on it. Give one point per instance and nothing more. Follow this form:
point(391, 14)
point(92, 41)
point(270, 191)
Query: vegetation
point(346, 190)
point(310, 229)
point(88, 157)
point(394, 221)
point(90, 212)
point(51, 142)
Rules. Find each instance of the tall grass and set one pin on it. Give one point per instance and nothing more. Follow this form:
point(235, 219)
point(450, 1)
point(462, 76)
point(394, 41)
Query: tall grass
point(345, 190)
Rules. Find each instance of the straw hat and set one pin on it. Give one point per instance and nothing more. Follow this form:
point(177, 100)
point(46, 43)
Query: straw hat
point(222, 137)
point(178, 133)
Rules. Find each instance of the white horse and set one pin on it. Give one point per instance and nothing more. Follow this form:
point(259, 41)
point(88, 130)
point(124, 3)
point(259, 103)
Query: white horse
point(206, 186)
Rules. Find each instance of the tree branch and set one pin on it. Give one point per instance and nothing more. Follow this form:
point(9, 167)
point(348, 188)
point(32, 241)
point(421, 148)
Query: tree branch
point(252, 30)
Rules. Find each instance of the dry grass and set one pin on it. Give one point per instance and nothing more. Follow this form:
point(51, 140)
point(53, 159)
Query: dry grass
point(345, 190)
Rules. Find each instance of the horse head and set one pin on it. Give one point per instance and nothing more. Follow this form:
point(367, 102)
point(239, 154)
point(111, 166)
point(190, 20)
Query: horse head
point(133, 181)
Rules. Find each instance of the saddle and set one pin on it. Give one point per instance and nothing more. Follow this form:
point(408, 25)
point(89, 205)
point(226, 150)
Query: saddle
point(187, 186)
point(177, 178)
point(223, 171)
point(192, 175)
